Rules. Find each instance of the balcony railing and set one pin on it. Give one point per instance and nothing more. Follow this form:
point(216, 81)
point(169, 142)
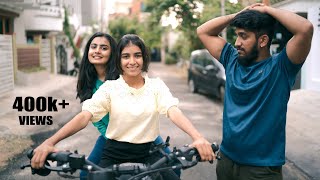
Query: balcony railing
point(52, 11)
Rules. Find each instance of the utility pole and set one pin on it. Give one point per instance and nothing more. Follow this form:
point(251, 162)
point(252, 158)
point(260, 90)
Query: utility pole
point(101, 15)
point(223, 12)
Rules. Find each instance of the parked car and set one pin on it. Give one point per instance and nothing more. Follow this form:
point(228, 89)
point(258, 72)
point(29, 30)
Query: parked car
point(206, 73)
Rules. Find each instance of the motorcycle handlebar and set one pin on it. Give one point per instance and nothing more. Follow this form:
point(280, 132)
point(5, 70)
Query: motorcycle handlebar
point(183, 157)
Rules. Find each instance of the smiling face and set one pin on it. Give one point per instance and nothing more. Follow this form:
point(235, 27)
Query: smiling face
point(131, 60)
point(99, 51)
point(247, 46)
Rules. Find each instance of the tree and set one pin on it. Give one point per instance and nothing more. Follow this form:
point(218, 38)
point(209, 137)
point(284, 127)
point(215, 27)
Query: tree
point(189, 15)
point(232, 8)
point(67, 31)
point(124, 25)
point(186, 12)
point(121, 26)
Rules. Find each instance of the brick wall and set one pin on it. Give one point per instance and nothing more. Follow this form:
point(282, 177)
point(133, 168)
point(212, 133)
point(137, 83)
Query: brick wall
point(28, 56)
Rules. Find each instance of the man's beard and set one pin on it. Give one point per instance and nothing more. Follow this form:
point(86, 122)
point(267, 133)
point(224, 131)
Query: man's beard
point(248, 59)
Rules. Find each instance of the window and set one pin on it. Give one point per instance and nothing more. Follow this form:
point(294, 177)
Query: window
point(1, 28)
point(6, 25)
point(194, 59)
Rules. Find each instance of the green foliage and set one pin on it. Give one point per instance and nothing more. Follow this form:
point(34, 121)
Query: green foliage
point(232, 8)
point(67, 31)
point(182, 47)
point(122, 26)
point(171, 57)
point(149, 32)
point(212, 9)
point(186, 11)
point(189, 19)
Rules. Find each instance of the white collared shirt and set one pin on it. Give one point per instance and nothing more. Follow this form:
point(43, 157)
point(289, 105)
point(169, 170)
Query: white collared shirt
point(134, 113)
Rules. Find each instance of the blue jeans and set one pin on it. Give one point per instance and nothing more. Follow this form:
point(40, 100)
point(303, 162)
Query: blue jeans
point(159, 140)
point(95, 154)
point(97, 150)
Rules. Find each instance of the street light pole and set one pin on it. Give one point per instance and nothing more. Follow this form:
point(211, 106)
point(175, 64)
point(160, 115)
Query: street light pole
point(224, 31)
point(101, 15)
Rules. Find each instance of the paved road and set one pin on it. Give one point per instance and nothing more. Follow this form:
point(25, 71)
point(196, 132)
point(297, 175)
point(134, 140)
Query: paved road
point(206, 114)
point(204, 111)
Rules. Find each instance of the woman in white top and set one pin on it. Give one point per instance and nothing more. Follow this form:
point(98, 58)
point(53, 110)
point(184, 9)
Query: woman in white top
point(134, 103)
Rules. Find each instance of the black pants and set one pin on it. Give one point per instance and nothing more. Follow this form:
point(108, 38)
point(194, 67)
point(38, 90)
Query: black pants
point(116, 152)
point(229, 170)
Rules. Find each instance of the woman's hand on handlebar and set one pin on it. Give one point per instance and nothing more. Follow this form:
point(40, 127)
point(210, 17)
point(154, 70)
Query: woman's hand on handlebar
point(40, 154)
point(204, 148)
point(79, 122)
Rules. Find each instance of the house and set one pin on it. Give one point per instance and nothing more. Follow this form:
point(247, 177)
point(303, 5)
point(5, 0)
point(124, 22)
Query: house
point(310, 9)
point(28, 30)
point(7, 15)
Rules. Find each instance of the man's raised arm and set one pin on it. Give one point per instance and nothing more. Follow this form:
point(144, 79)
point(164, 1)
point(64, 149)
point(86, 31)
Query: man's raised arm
point(299, 45)
point(209, 32)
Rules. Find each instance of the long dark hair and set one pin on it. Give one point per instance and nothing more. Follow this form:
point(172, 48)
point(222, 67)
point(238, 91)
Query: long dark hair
point(136, 40)
point(87, 72)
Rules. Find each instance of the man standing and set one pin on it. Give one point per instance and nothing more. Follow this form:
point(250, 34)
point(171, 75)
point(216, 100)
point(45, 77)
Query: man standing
point(257, 88)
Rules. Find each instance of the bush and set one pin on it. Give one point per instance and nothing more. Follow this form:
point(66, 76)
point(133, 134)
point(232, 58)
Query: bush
point(171, 58)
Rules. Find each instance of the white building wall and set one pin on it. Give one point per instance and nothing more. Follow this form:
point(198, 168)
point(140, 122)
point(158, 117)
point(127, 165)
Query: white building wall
point(297, 5)
point(45, 60)
point(310, 74)
point(310, 70)
point(20, 30)
point(74, 7)
point(6, 65)
point(91, 11)
point(122, 6)
point(172, 39)
point(86, 12)
point(38, 21)
point(96, 10)
point(96, 14)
